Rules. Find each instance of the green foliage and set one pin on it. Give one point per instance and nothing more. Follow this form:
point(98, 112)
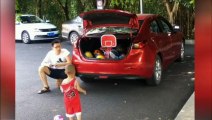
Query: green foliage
point(188, 3)
point(154, 7)
point(18, 19)
point(26, 6)
point(52, 10)
point(127, 5)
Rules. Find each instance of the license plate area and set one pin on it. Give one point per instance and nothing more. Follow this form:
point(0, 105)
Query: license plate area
point(103, 76)
point(50, 34)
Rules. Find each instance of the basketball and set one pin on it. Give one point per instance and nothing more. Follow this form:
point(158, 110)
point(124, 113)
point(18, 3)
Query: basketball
point(100, 57)
point(58, 117)
point(88, 54)
point(97, 52)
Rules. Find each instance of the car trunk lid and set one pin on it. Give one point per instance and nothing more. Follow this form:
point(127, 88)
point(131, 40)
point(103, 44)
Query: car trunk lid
point(109, 18)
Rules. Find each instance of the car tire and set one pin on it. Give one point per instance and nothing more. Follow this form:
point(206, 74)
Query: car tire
point(182, 53)
point(156, 77)
point(25, 37)
point(73, 37)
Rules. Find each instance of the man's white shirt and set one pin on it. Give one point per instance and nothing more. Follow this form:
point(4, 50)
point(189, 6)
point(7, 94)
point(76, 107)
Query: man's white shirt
point(51, 58)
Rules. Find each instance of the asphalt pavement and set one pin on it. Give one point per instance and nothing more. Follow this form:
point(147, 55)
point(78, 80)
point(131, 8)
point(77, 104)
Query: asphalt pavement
point(105, 99)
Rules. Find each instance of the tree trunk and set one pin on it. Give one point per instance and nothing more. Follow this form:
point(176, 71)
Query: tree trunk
point(39, 8)
point(107, 4)
point(172, 11)
point(64, 8)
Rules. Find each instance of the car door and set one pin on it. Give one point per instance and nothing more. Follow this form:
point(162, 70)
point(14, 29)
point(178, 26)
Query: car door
point(78, 25)
point(168, 38)
point(18, 28)
point(174, 36)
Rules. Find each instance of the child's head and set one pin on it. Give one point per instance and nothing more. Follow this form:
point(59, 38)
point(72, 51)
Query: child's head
point(70, 69)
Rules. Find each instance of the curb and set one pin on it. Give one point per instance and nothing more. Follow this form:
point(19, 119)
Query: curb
point(187, 112)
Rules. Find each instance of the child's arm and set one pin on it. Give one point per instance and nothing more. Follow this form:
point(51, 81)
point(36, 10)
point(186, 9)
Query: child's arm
point(61, 89)
point(77, 86)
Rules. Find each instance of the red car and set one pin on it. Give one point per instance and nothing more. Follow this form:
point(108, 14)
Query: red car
point(119, 44)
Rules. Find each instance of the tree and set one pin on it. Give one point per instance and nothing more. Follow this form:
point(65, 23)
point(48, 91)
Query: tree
point(39, 8)
point(172, 9)
point(65, 8)
point(154, 7)
point(128, 5)
point(180, 12)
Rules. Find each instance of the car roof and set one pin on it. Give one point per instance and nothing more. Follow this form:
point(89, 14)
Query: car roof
point(27, 15)
point(146, 16)
point(24, 14)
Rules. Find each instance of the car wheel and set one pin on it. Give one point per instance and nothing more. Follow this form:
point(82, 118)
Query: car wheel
point(156, 78)
point(25, 37)
point(73, 37)
point(182, 53)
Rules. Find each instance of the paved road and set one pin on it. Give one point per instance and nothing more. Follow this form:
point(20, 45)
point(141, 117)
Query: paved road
point(106, 99)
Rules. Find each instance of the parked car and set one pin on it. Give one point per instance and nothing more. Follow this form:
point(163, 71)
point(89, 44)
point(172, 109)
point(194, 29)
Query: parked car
point(30, 27)
point(72, 29)
point(119, 44)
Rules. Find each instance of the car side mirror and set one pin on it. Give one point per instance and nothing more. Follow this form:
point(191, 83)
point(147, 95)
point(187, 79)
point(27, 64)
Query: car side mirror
point(47, 21)
point(17, 23)
point(176, 28)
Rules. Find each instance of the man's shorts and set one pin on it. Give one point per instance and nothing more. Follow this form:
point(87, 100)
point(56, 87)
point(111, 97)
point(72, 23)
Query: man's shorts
point(57, 73)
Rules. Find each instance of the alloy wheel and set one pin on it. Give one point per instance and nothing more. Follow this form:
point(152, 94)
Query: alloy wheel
point(158, 70)
point(25, 37)
point(73, 37)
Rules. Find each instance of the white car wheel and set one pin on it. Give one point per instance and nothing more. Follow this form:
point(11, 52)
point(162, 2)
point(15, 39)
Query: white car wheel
point(25, 37)
point(73, 37)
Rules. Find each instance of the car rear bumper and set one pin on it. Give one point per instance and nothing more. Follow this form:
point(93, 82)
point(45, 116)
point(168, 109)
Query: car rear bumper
point(114, 70)
point(108, 76)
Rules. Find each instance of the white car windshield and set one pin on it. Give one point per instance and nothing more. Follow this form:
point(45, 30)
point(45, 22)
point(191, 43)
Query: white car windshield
point(30, 19)
point(115, 30)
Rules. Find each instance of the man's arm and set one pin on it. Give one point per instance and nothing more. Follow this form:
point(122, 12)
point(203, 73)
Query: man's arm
point(46, 61)
point(68, 61)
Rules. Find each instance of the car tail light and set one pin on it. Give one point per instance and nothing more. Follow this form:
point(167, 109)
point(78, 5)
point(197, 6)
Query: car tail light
point(138, 45)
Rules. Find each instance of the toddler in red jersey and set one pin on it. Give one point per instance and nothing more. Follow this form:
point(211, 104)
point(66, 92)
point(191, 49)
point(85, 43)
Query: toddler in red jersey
point(70, 88)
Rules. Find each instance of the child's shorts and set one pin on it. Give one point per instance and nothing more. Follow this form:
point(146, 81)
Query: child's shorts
point(72, 109)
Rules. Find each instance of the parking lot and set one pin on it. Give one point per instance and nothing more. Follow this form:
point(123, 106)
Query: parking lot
point(106, 99)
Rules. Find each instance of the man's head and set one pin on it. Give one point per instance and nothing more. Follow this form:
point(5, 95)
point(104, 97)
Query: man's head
point(56, 46)
point(70, 69)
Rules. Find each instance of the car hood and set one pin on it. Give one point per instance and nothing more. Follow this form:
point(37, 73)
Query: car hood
point(40, 25)
point(98, 18)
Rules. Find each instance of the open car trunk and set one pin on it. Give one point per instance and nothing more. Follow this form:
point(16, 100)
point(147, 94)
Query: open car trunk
point(91, 48)
point(116, 26)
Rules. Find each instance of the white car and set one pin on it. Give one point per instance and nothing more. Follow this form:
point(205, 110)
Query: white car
point(72, 29)
point(30, 27)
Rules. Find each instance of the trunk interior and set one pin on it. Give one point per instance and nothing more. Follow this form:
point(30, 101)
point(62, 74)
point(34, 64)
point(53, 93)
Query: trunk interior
point(90, 48)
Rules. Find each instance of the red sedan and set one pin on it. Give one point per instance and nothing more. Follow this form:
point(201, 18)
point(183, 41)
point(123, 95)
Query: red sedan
point(119, 44)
